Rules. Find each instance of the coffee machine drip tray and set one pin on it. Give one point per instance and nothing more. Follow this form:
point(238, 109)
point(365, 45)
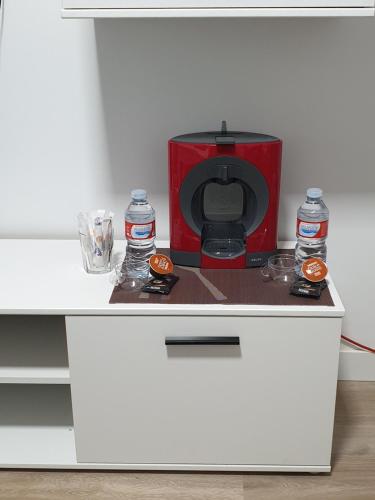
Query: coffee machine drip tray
point(223, 240)
point(223, 249)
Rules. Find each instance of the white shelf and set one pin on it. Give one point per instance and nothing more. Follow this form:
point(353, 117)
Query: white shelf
point(33, 350)
point(36, 426)
point(215, 8)
point(34, 447)
point(215, 13)
point(58, 285)
point(34, 375)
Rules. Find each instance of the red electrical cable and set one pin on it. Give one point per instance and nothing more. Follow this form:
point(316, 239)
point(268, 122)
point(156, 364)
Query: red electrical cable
point(351, 341)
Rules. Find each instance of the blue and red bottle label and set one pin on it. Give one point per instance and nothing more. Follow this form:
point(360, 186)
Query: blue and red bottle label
point(312, 229)
point(139, 231)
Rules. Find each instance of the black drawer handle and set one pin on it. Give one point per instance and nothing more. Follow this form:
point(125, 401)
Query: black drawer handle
point(202, 340)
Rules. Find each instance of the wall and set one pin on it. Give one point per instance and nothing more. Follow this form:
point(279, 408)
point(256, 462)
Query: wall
point(86, 109)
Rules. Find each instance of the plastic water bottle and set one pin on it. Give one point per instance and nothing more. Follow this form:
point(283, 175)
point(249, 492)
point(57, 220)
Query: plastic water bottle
point(140, 235)
point(312, 228)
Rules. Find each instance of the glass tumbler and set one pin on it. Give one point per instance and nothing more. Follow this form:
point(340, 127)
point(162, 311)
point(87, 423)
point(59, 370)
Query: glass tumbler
point(280, 268)
point(96, 237)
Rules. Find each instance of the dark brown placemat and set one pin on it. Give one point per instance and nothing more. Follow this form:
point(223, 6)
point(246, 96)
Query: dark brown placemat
point(220, 286)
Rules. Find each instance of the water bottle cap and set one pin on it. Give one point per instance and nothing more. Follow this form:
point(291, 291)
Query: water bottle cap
point(138, 194)
point(314, 193)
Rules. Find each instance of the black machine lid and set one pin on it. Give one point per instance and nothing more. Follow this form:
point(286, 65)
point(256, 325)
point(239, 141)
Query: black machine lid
point(224, 137)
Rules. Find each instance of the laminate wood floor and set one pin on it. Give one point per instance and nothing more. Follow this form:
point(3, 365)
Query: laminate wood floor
point(353, 476)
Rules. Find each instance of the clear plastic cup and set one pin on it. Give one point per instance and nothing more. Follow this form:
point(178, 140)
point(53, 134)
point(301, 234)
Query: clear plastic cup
point(280, 268)
point(120, 277)
point(96, 238)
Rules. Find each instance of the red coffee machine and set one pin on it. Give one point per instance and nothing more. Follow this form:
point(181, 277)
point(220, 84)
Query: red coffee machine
point(224, 197)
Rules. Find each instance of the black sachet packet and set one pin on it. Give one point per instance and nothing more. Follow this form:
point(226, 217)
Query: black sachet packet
point(161, 285)
point(305, 288)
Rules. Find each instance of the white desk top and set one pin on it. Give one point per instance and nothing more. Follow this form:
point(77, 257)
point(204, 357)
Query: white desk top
point(47, 277)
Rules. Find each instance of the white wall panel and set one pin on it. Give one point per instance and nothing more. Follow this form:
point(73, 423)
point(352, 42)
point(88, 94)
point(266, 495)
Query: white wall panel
point(86, 109)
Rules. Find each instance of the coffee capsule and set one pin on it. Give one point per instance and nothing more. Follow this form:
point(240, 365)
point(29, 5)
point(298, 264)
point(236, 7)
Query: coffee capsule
point(160, 265)
point(314, 269)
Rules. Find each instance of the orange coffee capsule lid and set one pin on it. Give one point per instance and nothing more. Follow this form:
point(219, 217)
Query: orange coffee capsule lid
point(314, 269)
point(160, 264)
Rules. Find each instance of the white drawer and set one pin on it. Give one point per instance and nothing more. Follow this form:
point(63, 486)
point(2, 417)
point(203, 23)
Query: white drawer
point(269, 400)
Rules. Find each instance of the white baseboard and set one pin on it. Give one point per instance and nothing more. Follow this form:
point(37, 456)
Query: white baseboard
point(356, 364)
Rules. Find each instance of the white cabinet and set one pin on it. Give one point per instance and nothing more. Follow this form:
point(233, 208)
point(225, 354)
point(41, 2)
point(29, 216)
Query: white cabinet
point(264, 404)
point(216, 8)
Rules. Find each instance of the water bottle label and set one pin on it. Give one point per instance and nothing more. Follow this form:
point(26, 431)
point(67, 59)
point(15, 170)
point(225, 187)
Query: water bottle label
point(139, 231)
point(312, 229)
